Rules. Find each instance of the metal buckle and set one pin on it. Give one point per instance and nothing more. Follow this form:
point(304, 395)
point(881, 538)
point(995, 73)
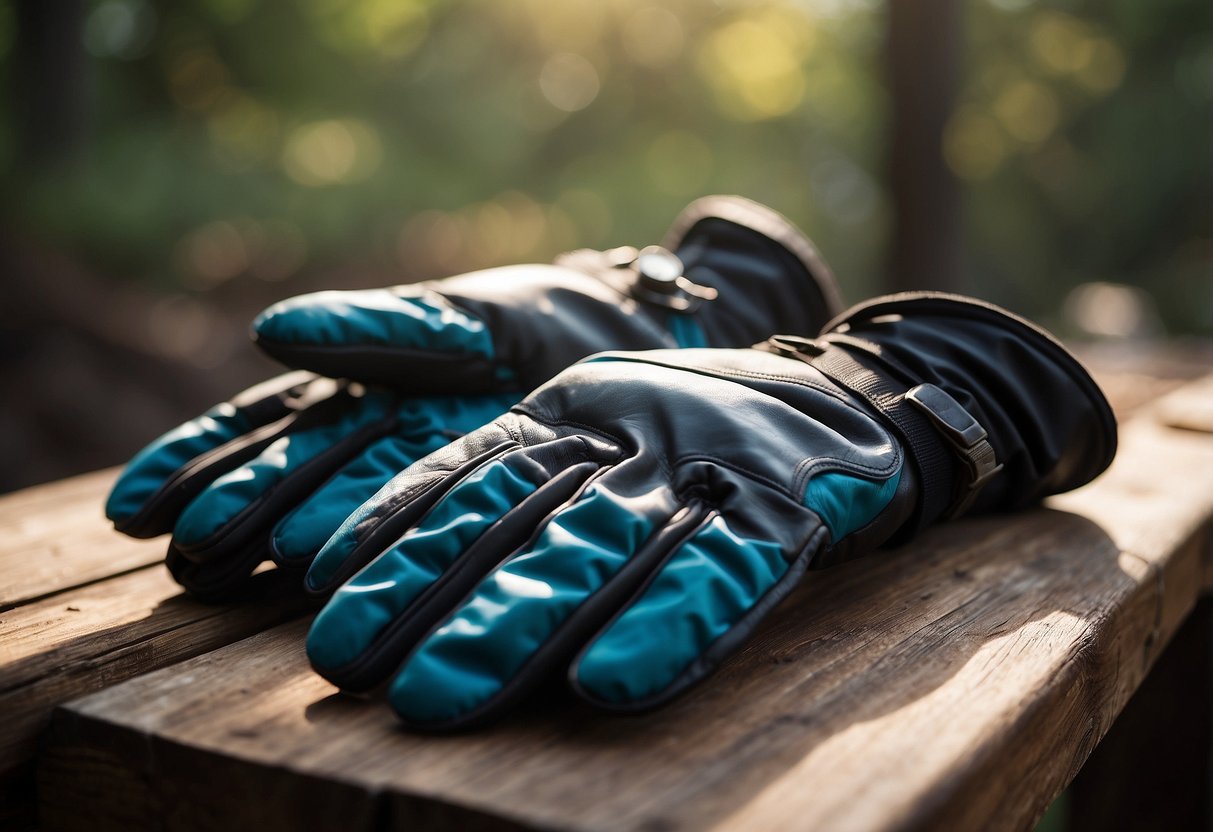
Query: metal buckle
point(966, 436)
point(660, 281)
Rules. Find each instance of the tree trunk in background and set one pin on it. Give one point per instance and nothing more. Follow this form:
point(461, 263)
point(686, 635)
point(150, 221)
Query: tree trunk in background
point(923, 50)
point(50, 81)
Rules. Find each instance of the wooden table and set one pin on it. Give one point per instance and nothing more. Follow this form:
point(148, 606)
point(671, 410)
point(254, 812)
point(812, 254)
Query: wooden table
point(958, 682)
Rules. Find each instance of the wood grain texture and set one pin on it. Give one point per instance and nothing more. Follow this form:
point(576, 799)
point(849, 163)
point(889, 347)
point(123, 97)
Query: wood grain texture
point(958, 682)
point(83, 607)
point(1152, 770)
point(82, 641)
point(54, 537)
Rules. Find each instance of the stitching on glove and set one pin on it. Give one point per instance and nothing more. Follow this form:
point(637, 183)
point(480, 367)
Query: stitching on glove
point(726, 373)
point(810, 465)
point(732, 466)
point(540, 414)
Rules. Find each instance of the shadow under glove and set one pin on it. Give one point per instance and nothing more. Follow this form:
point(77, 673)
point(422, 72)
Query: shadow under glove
point(273, 472)
point(629, 523)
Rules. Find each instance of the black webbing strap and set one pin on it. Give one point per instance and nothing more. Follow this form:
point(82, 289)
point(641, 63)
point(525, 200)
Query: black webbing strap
point(933, 425)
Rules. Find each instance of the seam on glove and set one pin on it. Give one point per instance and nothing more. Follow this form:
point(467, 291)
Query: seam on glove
point(727, 373)
point(733, 466)
point(809, 466)
point(540, 414)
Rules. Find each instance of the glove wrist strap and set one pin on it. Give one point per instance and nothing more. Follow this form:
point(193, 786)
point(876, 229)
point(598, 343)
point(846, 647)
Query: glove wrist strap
point(936, 429)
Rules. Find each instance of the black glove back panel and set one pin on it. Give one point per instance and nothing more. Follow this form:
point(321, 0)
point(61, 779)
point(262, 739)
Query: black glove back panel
point(632, 520)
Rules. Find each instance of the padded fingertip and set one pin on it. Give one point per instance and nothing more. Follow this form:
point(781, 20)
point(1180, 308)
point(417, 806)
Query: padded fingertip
point(368, 602)
point(428, 694)
point(373, 317)
point(294, 545)
point(707, 586)
point(317, 582)
point(462, 670)
point(130, 494)
point(326, 641)
point(297, 538)
point(154, 467)
point(326, 566)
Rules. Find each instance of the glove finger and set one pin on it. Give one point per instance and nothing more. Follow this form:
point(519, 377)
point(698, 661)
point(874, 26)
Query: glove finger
point(532, 612)
point(157, 483)
point(226, 581)
point(703, 602)
point(220, 581)
point(379, 522)
point(382, 335)
point(236, 511)
point(373, 620)
point(423, 426)
point(707, 597)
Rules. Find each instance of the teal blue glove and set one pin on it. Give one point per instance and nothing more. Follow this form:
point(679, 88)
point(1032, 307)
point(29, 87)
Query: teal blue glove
point(275, 470)
point(273, 473)
point(628, 524)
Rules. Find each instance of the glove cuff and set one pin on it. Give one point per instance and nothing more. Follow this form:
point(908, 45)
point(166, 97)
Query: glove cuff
point(995, 412)
point(949, 448)
point(1047, 420)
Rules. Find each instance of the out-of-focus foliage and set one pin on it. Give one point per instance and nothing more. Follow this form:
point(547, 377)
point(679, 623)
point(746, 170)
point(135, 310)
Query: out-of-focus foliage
point(1084, 137)
point(235, 140)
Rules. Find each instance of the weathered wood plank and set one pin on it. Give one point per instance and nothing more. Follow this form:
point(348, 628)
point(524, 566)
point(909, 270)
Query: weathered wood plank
point(83, 607)
point(85, 640)
point(1152, 771)
point(54, 537)
point(959, 682)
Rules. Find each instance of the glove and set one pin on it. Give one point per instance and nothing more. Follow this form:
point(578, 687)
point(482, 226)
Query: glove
point(273, 472)
point(630, 522)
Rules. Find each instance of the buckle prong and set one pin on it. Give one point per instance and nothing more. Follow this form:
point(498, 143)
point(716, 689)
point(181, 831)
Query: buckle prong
point(965, 435)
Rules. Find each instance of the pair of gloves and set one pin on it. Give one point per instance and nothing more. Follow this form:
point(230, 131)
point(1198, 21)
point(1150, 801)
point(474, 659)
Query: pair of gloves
point(631, 520)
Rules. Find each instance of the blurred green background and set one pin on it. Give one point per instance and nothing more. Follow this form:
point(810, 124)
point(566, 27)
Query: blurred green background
point(169, 168)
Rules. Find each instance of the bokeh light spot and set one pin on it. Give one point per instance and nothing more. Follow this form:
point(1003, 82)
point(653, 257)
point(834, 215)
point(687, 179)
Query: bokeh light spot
point(119, 29)
point(370, 29)
point(1028, 111)
point(973, 145)
point(1060, 42)
point(754, 64)
point(1105, 69)
point(394, 28)
point(1111, 310)
point(431, 244)
point(653, 36)
point(214, 253)
point(569, 82)
point(332, 152)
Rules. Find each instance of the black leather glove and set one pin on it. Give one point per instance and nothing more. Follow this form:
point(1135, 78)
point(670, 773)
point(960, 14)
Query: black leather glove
point(739, 272)
point(273, 472)
point(630, 522)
